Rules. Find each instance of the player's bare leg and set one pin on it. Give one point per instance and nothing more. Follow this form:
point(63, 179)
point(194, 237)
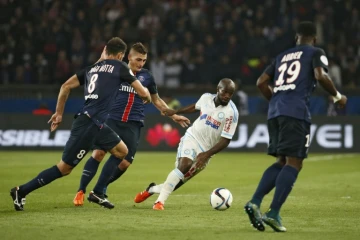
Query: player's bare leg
point(89, 171)
point(284, 184)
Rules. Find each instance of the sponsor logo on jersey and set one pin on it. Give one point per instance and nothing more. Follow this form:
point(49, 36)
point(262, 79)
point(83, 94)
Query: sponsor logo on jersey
point(91, 96)
point(127, 89)
point(228, 122)
point(284, 87)
point(203, 116)
point(212, 122)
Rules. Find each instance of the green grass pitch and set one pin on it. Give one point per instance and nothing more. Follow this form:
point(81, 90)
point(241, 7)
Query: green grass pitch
point(324, 204)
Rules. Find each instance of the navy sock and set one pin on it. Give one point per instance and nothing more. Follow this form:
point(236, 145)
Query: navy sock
point(44, 178)
point(267, 183)
point(117, 173)
point(284, 184)
point(90, 169)
point(106, 173)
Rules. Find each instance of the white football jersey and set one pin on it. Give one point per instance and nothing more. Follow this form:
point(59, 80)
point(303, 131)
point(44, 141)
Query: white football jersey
point(213, 122)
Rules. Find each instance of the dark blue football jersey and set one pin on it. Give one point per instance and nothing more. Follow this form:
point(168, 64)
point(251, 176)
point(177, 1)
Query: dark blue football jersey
point(101, 83)
point(128, 106)
point(294, 81)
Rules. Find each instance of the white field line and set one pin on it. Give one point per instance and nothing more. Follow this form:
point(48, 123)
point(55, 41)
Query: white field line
point(329, 157)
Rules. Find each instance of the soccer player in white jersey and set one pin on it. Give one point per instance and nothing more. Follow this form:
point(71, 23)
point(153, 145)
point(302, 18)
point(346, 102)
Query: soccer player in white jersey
point(211, 132)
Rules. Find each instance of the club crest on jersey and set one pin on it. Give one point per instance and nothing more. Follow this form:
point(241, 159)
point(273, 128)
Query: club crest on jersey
point(221, 115)
point(141, 78)
point(187, 151)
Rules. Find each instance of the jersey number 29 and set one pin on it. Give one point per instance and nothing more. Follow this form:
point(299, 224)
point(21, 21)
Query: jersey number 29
point(292, 71)
point(91, 86)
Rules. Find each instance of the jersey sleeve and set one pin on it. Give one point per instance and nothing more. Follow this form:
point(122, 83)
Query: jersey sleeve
point(152, 86)
point(270, 70)
point(81, 76)
point(320, 59)
point(126, 74)
point(231, 120)
point(200, 102)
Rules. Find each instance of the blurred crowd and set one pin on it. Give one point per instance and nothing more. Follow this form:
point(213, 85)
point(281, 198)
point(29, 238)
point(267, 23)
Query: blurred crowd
point(191, 42)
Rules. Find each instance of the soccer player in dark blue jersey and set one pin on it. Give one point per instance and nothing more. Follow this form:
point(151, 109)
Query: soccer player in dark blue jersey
point(288, 84)
point(101, 82)
point(126, 118)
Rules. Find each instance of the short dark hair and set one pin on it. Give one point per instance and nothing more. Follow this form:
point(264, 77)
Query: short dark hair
point(115, 46)
point(306, 29)
point(140, 48)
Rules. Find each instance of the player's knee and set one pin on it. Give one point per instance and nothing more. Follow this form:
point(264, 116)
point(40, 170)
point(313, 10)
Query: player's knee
point(124, 165)
point(185, 165)
point(98, 155)
point(64, 168)
point(120, 150)
point(295, 162)
point(281, 160)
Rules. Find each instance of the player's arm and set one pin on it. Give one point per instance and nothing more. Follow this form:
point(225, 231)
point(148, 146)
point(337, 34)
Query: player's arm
point(127, 75)
point(142, 91)
point(263, 82)
point(162, 106)
point(264, 87)
point(188, 109)
point(203, 158)
point(227, 134)
point(71, 83)
point(320, 64)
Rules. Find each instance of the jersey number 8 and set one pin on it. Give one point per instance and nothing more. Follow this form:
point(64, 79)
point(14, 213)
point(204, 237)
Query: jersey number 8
point(292, 71)
point(91, 86)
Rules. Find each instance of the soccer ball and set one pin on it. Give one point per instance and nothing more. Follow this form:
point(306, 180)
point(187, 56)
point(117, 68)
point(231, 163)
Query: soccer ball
point(221, 199)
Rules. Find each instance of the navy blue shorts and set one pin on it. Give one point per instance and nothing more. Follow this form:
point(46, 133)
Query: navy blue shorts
point(288, 137)
point(84, 134)
point(129, 132)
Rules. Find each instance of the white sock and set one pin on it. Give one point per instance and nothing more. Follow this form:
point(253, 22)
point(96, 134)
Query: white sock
point(172, 180)
point(156, 189)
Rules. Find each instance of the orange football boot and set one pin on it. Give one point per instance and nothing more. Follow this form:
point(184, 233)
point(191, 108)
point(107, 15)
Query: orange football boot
point(142, 196)
point(158, 206)
point(79, 198)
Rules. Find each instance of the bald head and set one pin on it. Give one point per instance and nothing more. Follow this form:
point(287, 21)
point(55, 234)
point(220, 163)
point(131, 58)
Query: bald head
point(225, 90)
point(226, 83)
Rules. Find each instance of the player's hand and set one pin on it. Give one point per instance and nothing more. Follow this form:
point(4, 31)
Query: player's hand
point(168, 112)
point(342, 102)
point(201, 160)
point(183, 121)
point(55, 120)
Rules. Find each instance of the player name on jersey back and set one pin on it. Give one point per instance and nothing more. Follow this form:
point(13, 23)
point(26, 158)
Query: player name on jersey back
point(104, 68)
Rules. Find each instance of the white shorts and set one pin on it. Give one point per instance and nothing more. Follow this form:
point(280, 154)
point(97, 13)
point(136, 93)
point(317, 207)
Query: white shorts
point(188, 147)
